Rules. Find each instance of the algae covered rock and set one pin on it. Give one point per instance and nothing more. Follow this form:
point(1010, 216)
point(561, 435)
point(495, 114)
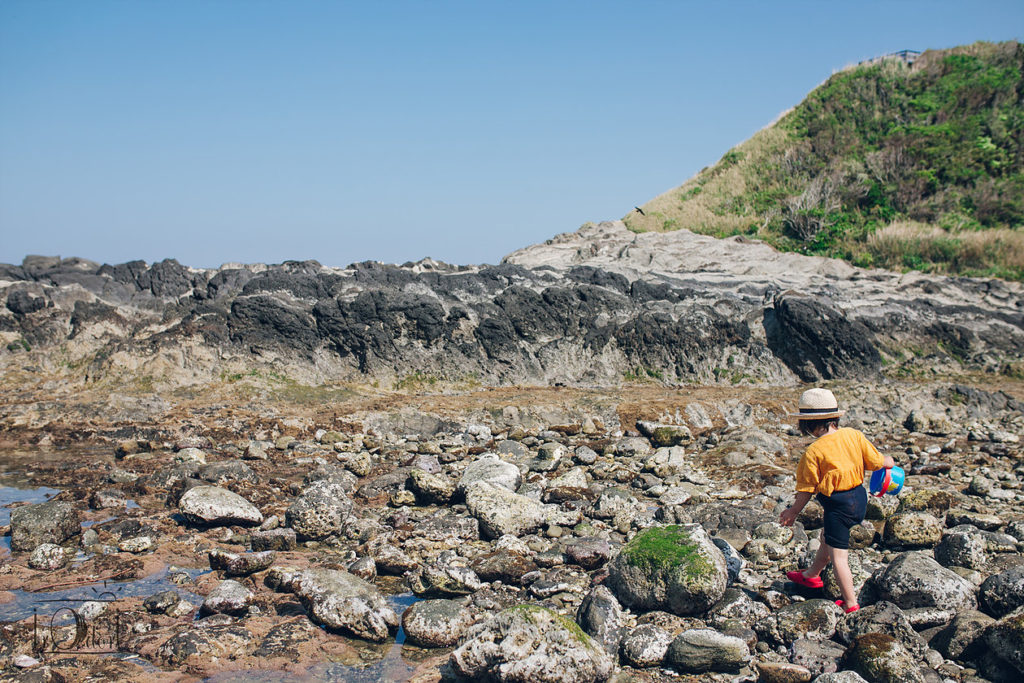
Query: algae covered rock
point(665, 435)
point(676, 568)
point(881, 658)
point(913, 530)
point(881, 617)
point(531, 643)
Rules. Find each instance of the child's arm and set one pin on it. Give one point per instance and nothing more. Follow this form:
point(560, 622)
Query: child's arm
point(888, 462)
point(788, 515)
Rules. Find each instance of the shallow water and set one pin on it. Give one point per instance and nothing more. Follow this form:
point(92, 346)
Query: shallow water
point(394, 665)
point(25, 604)
point(389, 661)
point(14, 489)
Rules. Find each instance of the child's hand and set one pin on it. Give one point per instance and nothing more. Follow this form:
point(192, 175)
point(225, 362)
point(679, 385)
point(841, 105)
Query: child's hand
point(788, 516)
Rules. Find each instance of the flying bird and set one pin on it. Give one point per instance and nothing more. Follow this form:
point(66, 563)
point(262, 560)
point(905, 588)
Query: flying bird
point(640, 211)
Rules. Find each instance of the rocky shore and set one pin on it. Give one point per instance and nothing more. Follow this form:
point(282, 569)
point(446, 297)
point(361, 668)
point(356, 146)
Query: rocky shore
point(566, 467)
point(594, 308)
point(617, 536)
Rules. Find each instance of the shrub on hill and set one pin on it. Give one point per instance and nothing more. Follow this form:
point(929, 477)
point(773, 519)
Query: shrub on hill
point(888, 164)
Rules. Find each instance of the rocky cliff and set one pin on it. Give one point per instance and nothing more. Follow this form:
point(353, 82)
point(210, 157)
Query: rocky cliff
point(592, 307)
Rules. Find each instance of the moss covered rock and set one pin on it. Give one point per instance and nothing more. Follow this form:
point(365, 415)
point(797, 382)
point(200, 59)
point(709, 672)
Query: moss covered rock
point(675, 568)
point(882, 659)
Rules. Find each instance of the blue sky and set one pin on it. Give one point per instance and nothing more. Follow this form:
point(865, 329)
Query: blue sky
point(249, 131)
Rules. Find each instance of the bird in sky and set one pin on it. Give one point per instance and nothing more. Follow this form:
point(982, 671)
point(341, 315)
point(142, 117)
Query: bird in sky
point(640, 211)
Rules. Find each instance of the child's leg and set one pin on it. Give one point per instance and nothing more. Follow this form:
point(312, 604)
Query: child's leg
point(821, 558)
point(841, 566)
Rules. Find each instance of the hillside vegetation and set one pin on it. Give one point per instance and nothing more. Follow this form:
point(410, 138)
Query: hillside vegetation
point(894, 164)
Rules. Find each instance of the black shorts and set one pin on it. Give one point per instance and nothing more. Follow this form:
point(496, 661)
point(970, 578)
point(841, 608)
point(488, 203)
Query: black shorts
point(843, 509)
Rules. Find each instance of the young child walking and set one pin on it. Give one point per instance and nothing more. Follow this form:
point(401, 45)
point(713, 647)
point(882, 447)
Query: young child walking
point(833, 468)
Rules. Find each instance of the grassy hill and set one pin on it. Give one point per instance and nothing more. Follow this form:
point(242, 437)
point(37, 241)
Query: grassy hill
point(892, 163)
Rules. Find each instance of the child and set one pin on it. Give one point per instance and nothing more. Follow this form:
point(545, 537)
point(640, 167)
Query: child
point(832, 467)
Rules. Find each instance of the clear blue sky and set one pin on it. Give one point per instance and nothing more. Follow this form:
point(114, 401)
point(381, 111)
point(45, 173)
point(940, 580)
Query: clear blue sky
point(231, 130)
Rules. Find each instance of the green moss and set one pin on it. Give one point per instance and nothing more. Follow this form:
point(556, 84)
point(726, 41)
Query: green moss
point(643, 374)
point(875, 645)
point(666, 548)
point(19, 345)
point(416, 380)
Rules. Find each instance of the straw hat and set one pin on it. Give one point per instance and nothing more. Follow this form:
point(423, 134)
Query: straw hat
point(817, 404)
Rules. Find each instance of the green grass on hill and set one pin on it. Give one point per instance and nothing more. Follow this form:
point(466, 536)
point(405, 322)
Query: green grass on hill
point(886, 164)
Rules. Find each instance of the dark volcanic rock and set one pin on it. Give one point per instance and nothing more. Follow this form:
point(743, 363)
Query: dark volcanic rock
point(609, 304)
point(817, 341)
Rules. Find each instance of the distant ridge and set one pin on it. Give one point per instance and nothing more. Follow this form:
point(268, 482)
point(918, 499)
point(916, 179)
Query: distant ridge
point(912, 160)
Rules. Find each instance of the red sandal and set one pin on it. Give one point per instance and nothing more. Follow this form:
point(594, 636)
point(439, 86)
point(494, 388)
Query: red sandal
point(798, 578)
point(851, 608)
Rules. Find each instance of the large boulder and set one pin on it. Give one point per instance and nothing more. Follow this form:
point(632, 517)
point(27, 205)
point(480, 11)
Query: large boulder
point(882, 617)
point(1003, 592)
point(962, 546)
point(882, 659)
point(1005, 638)
point(502, 565)
point(665, 435)
point(321, 510)
point(229, 597)
point(915, 579)
point(813, 619)
point(202, 645)
point(817, 656)
point(601, 616)
point(244, 564)
point(214, 506)
point(531, 643)
point(963, 639)
point(645, 646)
point(673, 568)
point(436, 623)
point(913, 530)
point(342, 602)
point(493, 470)
point(704, 650)
point(501, 511)
point(54, 521)
point(429, 488)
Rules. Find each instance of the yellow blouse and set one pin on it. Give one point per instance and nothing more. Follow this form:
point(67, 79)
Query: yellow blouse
point(836, 462)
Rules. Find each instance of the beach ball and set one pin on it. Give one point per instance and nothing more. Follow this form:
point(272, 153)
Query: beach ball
point(887, 481)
